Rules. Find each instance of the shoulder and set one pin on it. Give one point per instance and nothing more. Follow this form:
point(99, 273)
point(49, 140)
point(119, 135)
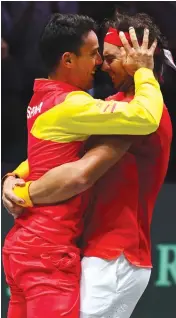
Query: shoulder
point(78, 96)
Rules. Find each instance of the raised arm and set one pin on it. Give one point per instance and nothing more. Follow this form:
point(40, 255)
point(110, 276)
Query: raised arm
point(80, 115)
point(141, 116)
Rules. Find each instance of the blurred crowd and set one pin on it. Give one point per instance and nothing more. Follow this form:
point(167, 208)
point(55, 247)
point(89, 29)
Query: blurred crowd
point(22, 23)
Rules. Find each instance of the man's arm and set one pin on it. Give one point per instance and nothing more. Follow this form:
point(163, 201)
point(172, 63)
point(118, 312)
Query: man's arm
point(80, 115)
point(86, 116)
point(68, 180)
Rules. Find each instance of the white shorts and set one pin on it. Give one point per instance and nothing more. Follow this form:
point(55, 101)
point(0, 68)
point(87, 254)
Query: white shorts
point(111, 289)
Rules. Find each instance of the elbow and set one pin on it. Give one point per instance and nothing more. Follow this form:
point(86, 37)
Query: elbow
point(155, 117)
point(150, 126)
point(153, 125)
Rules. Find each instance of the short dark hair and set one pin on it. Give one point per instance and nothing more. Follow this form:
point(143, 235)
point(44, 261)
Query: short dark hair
point(63, 33)
point(139, 21)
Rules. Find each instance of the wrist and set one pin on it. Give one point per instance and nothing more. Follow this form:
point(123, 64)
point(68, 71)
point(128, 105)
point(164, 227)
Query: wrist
point(23, 193)
point(33, 192)
point(9, 175)
point(39, 193)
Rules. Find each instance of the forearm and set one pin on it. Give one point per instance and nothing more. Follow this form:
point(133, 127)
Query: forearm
point(64, 182)
point(58, 184)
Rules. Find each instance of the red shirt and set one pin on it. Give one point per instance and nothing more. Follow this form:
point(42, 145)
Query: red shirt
point(121, 213)
point(62, 223)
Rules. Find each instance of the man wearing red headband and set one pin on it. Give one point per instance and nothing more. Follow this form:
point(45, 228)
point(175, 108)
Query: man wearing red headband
point(117, 263)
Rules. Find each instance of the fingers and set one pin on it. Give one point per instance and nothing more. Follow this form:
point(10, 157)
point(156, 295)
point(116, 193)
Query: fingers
point(8, 193)
point(11, 207)
point(145, 39)
point(8, 204)
point(10, 196)
point(123, 55)
point(10, 200)
point(125, 42)
point(20, 182)
point(133, 38)
point(153, 47)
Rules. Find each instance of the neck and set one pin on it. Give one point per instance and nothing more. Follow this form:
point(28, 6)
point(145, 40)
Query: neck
point(130, 91)
point(61, 75)
point(128, 87)
point(58, 77)
point(64, 77)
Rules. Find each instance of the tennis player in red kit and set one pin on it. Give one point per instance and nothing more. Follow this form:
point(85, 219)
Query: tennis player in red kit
point(86, 300)
point(117, 251)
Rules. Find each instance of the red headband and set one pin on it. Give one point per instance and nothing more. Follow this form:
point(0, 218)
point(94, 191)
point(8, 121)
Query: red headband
point(112, 37)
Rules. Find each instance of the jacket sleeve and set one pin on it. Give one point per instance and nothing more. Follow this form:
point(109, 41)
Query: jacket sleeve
point(83, 114)
point(22, 171)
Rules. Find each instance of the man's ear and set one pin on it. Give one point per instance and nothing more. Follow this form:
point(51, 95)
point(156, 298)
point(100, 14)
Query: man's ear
point(67, 59)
